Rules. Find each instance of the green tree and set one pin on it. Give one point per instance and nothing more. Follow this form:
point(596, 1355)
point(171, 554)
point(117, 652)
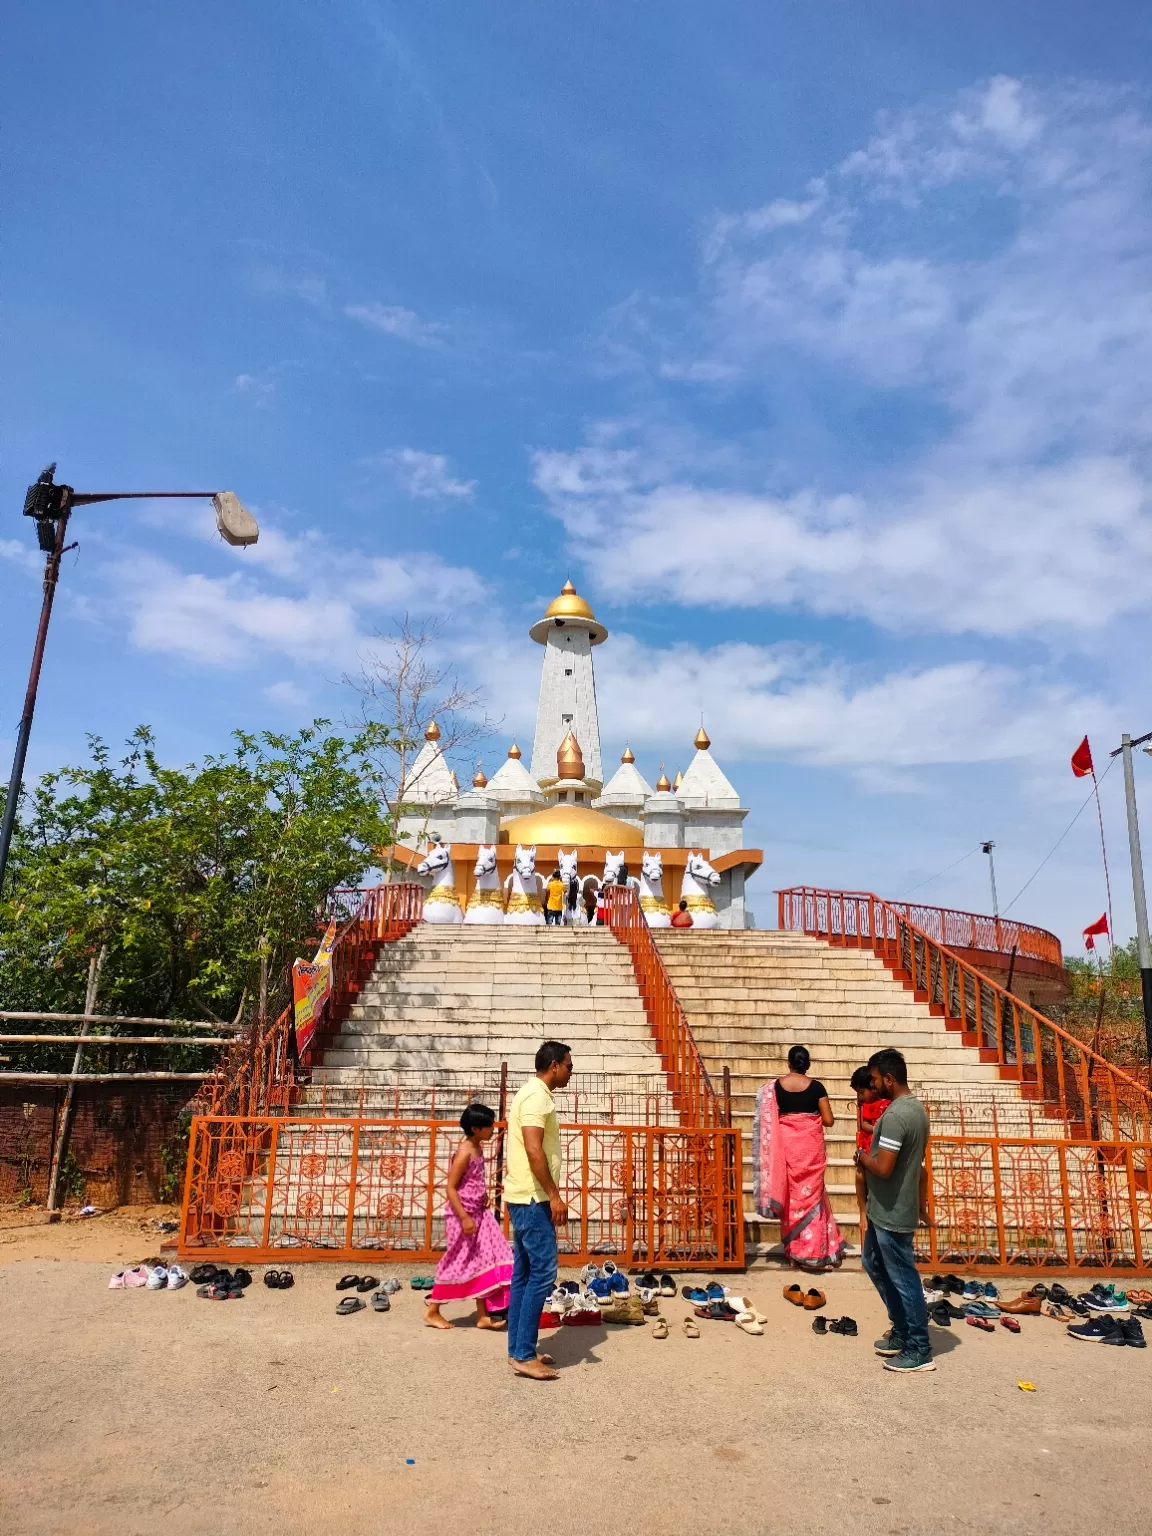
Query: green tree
point(191, 877)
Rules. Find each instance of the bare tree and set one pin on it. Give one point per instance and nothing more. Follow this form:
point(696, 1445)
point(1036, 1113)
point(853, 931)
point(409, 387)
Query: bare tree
point(402, 684)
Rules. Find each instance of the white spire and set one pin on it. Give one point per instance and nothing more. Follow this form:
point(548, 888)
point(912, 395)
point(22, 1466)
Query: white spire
point(429, 780)
point(705, 784)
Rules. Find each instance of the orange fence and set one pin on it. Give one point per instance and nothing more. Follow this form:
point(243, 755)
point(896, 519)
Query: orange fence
point(260, 1074)
point(1024, 1203)
point(269, 1188)
point(692, 1090)
point(971, 930)
point(1092, 1098)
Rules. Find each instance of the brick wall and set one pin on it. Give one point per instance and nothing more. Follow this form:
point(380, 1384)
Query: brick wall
point(119, 1131)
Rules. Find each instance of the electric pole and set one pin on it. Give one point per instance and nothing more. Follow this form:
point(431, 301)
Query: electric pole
point(1144, 949)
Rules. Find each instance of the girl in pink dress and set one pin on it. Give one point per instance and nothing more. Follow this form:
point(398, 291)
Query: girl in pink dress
point(477, 1263)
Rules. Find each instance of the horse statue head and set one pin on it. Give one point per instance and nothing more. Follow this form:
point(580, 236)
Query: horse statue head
point(613, 867)
point(652, 867)
point(485, 861)
point(567, 863)
point(524, 863)
point(439, 857)
point(699, 868)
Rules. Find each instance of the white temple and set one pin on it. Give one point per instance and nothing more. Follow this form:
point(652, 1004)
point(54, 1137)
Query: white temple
point(563, 800)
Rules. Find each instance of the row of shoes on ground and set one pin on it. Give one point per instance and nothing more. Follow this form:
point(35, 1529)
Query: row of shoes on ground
point(222, 1284)
point(156, 1277)
point(1105, 1329)
point(941, 1286)
point(381, 1299)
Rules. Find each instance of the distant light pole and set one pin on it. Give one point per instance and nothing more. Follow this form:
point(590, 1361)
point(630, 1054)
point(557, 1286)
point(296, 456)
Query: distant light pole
point(987, 848)
point(51, 506)
point(1143, 948)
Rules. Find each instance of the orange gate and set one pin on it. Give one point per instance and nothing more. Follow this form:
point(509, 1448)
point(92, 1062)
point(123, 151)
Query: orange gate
point(270, 1187)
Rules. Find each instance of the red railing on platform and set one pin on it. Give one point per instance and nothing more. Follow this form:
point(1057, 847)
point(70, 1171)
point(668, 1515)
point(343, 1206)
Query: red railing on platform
point(970, 930)
point(1094, 1099)
point(688, 1079)
point(361, 1190)
point(260, 1075)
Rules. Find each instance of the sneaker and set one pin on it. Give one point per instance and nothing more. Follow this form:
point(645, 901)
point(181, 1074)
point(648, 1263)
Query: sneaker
point(589, 1273)
point(1133, 1333)
point(932, 1296)
point(601, 1288)
point(137, 1276)
point(990, 1290)
point(1097, 1330)
point(176, 1278)
point(158, 1278)
point(908, 1361)
point(890, 1344)
point(619, 1284)
point(972, 1290)
point(1101, 1299)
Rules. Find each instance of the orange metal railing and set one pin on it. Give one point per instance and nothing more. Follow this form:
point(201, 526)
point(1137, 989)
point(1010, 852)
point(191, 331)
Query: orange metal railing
point(260, 1074)
point(971, 930)
point(1094, 1099)
point(688, 1079)
point(361, 1189)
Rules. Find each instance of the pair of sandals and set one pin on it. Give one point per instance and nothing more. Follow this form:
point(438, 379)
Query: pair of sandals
point(279, 1279)
point(988, 1325)
point(422, 1282)
point(206, 1274)
point(844, 1325)
point(744, 1317)
point(350, 1304)
point(811, 1300)
point(362, 1283)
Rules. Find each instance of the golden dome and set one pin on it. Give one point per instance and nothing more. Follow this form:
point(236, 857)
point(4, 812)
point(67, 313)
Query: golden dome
point(678, 780)
point(662, 783)
point(701, 741)
point(433, 732)
point(569, 759)
point(514, 751)
point(627, 756)
point(571, 826)
point(569, 605)
point(479, 778)
point(568, 608)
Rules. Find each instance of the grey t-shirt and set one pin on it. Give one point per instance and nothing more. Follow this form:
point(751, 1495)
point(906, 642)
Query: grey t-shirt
point(894, 1202)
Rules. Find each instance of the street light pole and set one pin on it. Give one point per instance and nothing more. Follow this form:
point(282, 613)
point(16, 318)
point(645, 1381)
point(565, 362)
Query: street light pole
point(51, 505)
point(987, 848)
point(1143, 947)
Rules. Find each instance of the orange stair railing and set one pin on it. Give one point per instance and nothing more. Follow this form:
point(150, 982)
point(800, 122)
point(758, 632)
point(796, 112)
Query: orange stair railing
point(1096, 1100)
point(972, 930)
point(261, 1074)
point(688, 1079)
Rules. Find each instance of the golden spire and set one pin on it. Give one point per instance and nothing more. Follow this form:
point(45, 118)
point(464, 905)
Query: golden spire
point(627, 756)
point(433, 732)
point(701, 741)
point(662, 783)
point(567, 589)
point(678, 780)
point(514, 751)
point(479, 779)
point(569, 759)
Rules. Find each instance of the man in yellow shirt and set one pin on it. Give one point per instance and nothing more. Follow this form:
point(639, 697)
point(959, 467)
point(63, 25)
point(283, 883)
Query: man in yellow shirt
point(535, 1206)
point(554, 903)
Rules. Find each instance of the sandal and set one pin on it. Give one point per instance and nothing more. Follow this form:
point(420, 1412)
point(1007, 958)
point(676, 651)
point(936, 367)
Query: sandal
point(940, 1315)
point(286, 1281)
point(368, 1283)
point(814, 1300)
point(820, 1325)
point(985, 1323)
point(1011, 1324)
point(794, 1294)
point(347, 1282)
point(203, 1274)
point(747, 1321)
point(844, 1325)
point(380, 1302)
point(660, 1328)
point(349, 1305)
point(242, 1278)
point(690, 1329)
point(272, 1279)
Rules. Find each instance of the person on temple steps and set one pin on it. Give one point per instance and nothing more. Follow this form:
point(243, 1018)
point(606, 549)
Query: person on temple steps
point(897, 1183)
point(789, 1161)
point(535, 1206)
point(682, 918)
point(554, 899)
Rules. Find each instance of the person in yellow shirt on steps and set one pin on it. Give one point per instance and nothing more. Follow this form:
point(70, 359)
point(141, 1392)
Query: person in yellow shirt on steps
point(535, 1206)
point(554, 899)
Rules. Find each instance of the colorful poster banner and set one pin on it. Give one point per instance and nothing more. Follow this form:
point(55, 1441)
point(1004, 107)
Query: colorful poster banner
point(311, 987)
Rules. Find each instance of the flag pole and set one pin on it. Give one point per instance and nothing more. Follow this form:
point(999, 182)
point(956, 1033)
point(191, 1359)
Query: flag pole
point(1107, 880)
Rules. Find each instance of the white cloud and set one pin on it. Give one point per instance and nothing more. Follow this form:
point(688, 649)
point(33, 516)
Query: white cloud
point(982, 269)
point(289, 694)
point(424, 476)
point(395, 320)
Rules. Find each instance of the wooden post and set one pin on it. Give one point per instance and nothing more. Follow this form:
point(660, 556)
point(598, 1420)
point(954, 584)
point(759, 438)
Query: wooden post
point(727, 1097)
point(60, 1151)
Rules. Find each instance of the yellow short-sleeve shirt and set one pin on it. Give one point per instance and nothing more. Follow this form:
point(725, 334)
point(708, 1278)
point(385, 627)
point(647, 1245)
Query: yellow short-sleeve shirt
point(533, 1105)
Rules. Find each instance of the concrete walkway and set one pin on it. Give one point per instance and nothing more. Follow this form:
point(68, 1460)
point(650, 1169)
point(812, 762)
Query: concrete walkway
point(133, 1413)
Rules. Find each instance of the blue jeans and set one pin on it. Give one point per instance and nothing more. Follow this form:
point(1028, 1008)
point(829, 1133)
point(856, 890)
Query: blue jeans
point(890, 1263)
point(534, 1263)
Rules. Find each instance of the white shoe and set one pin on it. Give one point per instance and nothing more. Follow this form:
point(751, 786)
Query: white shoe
point(932, 1297)
point(589, 1273)
point(157, 1278)
point(176, 1278)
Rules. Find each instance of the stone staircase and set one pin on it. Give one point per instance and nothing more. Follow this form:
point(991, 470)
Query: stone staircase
point(750, 995)
point(446, 1006)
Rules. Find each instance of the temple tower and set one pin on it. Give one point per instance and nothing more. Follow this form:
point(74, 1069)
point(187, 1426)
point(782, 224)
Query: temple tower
point(568, 631)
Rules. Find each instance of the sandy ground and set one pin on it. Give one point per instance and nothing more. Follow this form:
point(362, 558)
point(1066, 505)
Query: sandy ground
point(135, 1412)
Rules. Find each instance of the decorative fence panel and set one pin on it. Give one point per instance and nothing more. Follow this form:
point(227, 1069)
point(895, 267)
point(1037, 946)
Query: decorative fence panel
point(268, 1188)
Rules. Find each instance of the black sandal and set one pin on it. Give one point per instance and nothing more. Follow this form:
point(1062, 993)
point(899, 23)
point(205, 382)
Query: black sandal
point(272, 1279)
point(242, 1277)
point(286, 1280)
point(347, 1282)
point(368, 1283)
point(819, 1325)
point(845, 1325)
point(203, 1274)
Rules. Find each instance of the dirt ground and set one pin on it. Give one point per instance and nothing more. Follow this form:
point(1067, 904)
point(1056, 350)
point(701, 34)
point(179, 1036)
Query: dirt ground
point(135, 1412)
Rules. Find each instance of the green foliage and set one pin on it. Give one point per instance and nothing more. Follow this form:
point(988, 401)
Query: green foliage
point(189, 876)
point(1121, 1023)
point(174, 1161)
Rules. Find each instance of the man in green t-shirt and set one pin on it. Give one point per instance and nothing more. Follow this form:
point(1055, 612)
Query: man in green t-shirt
point(897, 1184)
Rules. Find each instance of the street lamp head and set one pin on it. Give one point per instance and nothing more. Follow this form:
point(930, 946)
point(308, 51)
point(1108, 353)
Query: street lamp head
point(235, 523)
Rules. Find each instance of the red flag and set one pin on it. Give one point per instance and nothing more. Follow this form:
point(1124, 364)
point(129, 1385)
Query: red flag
point(1099, 926)
point(1082, 760)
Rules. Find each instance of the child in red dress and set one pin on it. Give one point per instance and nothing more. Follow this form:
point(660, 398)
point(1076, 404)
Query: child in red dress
point(870, 1105)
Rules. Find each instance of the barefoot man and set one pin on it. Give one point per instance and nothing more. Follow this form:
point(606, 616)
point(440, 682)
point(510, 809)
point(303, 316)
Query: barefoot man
point(535, 1207)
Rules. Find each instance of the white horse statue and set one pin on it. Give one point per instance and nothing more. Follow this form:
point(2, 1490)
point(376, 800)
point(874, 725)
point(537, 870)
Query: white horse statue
point(486, 903)
point(698, 874)
point(574, 913)
point(652, 891)
point(523, 904)
point(442, 902)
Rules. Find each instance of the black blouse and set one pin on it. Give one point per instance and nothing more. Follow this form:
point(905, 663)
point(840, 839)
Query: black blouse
point(805, 1103)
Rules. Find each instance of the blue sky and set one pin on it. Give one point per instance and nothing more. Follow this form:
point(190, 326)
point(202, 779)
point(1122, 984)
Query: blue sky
point(813, 340)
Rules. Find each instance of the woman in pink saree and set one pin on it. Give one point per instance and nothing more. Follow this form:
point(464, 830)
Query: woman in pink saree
point(789, 1161)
